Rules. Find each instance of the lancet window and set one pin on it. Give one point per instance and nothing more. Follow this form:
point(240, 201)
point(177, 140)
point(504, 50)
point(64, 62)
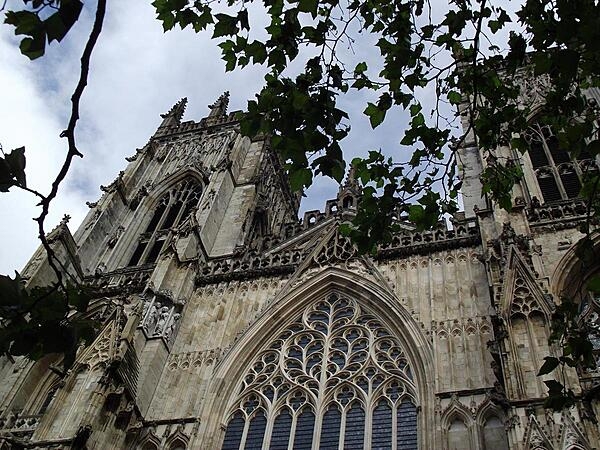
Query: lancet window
point(335, 378)
point(558, 175)
point(174, 207)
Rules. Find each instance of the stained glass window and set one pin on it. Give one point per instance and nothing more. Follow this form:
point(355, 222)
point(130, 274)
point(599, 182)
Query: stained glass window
point(335, 378)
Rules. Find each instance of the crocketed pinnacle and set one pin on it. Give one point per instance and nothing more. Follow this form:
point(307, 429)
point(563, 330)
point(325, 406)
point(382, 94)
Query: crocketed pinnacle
point(175, 114)
point(219, 108)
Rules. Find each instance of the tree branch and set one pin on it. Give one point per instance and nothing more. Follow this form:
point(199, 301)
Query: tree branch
point(69, 133)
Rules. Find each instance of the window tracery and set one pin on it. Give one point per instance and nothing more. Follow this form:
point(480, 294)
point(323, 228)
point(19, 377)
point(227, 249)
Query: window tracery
point(172, 209)
point(334, 378)
point(558, 175)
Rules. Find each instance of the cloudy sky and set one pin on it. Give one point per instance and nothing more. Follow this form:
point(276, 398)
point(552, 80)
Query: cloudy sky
point(137, 73)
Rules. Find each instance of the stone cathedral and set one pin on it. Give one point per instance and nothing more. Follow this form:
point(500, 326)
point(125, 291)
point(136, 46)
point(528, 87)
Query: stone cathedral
point(228, 323)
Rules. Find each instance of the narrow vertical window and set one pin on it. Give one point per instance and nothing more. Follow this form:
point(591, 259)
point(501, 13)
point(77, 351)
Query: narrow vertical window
point(382, 426)
point(330, 429)
point(354, 435)
point(233, 435)
point(280, 436)
point(256, 432)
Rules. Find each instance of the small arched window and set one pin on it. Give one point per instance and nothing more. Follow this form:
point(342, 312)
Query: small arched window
point(494, 434)
point(174, 207)
point(458, 435)
point(558, 175)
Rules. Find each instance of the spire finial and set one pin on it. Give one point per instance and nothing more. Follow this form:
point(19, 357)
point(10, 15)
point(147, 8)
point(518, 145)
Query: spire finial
point(351, 183)
point(219, 108)
point(175, 114)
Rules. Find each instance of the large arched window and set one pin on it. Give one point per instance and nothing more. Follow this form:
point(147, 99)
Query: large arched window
point(557, 174)
point(334, 379)
point(170, 211)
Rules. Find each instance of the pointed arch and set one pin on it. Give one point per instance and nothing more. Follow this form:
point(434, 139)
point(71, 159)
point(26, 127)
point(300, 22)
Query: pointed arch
point(535, 438)
point(166, 207)
point(569, 270)
point(458, 427)
point(520, 286)
point(177, 441)
point(149, 442)
point(490, 420)
point(456, 410)
point(527, 313)
point(161, 187)
point(369, 297)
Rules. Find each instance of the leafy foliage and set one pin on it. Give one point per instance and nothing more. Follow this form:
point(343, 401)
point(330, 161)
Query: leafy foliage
point(454, 57)
point(12, 169)
point(40, 27)
point(38, 322)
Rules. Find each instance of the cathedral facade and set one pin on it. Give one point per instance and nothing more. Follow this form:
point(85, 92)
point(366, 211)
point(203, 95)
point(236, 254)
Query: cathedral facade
point(227, 323)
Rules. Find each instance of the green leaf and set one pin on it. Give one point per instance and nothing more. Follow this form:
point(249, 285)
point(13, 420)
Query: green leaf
point(550, 363)
point(376, 115)
point(300, 178)
point(309, 6)
point(360, 68)
point(226, 25)
point(454, 97)
point(33, 48)
point(16, 162)
point(25, 22)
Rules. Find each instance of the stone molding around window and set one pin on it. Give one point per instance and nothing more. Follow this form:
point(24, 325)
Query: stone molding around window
point(335, 376)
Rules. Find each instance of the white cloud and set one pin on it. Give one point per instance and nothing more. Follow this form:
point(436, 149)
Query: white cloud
point(137, 73)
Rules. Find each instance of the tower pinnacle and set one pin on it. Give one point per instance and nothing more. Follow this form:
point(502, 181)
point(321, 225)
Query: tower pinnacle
point(175, 114)
point(219, 108)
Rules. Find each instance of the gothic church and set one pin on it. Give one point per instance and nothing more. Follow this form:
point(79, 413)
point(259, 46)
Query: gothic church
point(227, 323)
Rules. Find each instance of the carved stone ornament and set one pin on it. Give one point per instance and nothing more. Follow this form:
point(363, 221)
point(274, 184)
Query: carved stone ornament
point(114, 238)
point(160, 319)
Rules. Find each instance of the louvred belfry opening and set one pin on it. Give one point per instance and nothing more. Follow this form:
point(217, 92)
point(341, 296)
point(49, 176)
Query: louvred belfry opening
point(335, 378)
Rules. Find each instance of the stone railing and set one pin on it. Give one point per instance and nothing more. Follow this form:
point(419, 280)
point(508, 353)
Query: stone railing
point(555, 212)
point(130, 278)
point(207, 122)
point(411, 242)
point(21, 425)
point(408, 242)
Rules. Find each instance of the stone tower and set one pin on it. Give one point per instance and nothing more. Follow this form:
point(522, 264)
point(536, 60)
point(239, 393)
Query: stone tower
point(227, 323)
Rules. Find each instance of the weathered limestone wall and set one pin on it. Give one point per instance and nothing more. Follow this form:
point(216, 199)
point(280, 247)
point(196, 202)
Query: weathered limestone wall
point(445, 292)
